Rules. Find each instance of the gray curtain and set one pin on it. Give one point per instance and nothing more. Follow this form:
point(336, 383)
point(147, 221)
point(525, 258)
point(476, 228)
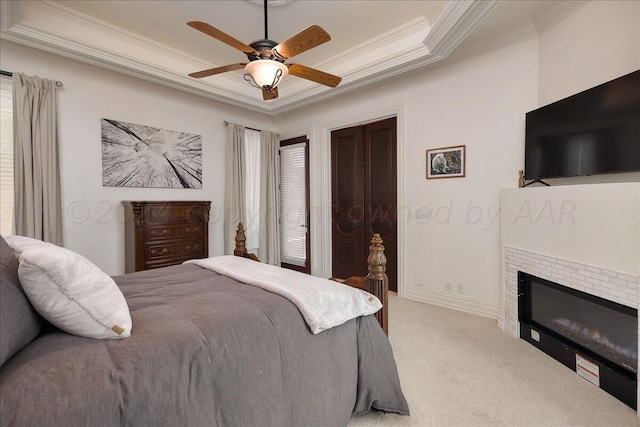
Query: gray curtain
point(234, 204)
point(269, 249)
point(37, 211)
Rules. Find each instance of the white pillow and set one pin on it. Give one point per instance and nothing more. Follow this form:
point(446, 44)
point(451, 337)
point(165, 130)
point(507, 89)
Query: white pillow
point(72, 293)
point(22, 243)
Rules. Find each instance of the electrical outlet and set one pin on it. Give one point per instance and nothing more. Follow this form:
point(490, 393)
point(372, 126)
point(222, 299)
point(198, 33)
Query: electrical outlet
point(448, 286)
point(424, 213)
point(460, 288)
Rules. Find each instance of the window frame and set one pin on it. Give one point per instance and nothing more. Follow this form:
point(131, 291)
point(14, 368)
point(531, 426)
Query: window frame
point(307, 267)
point(7, 187)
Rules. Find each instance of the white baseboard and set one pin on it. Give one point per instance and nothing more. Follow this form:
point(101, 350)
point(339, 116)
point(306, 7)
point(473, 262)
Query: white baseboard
point(452, 301)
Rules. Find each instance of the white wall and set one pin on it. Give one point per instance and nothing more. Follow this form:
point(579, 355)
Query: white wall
point(596, 224)
point(597, 43)
point(479, 103)
point(92, 214)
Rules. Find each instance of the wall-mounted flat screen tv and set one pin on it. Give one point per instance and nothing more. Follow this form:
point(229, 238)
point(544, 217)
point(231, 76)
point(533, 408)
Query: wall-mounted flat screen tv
point(593, 132)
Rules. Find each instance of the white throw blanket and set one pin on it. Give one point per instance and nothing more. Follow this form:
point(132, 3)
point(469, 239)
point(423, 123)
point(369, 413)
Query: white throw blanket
point(323, 303)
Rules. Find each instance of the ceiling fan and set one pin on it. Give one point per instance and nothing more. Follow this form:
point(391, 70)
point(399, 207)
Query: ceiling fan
point(266, 67)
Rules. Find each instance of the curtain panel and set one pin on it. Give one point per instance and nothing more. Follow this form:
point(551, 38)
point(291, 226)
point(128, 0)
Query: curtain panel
point(234, 194)
point(37, 205)
point(269, 247)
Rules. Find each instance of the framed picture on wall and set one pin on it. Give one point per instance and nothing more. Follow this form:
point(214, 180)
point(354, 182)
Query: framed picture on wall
point(148, 157)
point(446, 162)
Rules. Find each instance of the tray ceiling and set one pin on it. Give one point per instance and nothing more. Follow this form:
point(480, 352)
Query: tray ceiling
point(370, 40)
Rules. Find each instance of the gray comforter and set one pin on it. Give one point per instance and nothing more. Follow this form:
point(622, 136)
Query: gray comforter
point(205, 350)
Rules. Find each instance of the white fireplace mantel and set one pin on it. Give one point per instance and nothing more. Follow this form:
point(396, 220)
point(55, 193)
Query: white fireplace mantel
point(585, 237)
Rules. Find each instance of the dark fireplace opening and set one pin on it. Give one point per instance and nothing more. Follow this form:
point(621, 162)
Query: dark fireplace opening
point(596, 337)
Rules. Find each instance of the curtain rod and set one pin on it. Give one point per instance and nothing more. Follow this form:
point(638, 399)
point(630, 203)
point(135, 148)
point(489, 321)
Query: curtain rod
point(226, 123)
point(10, 74)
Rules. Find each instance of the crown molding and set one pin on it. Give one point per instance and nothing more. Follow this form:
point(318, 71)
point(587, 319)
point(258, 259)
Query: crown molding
point(434, 10)
point(24, 34)
point(57, 29)
point(509, 34)
point(83, 23)
point(356, 69)
point(550, 13)
point(457, 20)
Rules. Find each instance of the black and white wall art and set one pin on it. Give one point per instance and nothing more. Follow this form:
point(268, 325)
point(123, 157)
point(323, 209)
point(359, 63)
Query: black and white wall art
point(144, 156)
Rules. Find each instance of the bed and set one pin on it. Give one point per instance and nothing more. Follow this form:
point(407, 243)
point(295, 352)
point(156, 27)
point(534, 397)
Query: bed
point(204, 349)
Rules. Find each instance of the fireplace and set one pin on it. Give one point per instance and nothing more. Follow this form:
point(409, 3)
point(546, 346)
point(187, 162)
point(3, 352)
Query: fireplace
point(597, 338)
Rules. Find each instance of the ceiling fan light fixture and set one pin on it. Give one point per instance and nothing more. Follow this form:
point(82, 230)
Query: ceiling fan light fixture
point(266, 67)
point(265, 73)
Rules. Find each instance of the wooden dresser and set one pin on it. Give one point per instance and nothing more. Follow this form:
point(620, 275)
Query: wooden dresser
point(158, 234)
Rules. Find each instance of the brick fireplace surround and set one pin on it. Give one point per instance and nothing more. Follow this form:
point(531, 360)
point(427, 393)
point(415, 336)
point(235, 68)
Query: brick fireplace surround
point(610, 285)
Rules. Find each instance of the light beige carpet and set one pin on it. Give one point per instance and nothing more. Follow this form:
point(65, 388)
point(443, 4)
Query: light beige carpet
point(458, 369)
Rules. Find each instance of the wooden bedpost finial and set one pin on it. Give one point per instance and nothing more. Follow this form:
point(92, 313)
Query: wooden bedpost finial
point(378, 281)
point(377, 261)
point(241, 249)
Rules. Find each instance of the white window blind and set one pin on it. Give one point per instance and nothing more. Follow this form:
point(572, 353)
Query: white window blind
point(293, 215)
point(6, 156)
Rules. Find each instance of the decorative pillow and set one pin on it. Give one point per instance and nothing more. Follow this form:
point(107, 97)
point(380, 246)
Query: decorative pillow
point(19, 322)
point(72, 293)
point(22, 243)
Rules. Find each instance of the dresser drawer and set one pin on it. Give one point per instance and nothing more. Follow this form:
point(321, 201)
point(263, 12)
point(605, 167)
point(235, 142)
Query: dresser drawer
point(163, 233)
point(173, 231)
point(167, 213)
point(184, 249)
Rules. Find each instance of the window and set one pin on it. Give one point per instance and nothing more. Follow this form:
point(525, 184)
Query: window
point(6, 156)
point(294, 226)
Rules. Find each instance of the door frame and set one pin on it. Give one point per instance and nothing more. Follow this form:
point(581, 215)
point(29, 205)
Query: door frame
point(324, 226)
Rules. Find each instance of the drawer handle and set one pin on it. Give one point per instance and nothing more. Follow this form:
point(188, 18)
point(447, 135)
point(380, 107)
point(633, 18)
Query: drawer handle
point(192, 248)
point(156, 233)
point(160, 212)
point(163, 251)
point(191, 229)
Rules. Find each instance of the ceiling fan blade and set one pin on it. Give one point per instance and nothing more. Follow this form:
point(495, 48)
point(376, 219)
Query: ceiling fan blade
point(304, 40)
point(271, 94)
point(223, 37)
point(217, 70)
point(314, 75)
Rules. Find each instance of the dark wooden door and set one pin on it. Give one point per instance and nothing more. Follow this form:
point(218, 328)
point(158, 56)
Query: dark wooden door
point(364, 197)
point(347, 201)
